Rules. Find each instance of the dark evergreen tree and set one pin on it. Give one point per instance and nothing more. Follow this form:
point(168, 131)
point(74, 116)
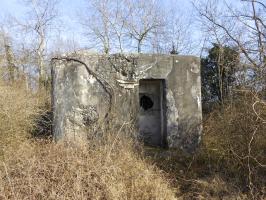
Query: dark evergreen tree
point(173, 50)
point(218, 73)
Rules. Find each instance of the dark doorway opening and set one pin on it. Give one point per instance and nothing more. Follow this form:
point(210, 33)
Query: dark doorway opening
point(152, 126)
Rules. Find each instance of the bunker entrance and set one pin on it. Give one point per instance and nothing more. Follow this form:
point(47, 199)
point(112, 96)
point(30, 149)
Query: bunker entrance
point(152, 111)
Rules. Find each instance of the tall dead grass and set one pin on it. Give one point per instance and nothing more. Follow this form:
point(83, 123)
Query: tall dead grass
point(235, 138)
point(231, 162)
point(44, 170)
point(18, 110)
point(102, 168)
point(229, 165)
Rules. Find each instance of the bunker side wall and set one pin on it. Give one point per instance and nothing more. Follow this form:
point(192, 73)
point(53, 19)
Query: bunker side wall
point(184, 98)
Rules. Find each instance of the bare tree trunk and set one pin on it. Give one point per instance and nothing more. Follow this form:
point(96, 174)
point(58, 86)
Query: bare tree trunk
point(221, 71)
point(40, 61)
point(12, 69)
point(139, 46)
point(42, 17)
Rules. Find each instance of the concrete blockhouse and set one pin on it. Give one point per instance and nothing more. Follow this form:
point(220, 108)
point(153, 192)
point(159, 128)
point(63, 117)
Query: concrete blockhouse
point(159, 94)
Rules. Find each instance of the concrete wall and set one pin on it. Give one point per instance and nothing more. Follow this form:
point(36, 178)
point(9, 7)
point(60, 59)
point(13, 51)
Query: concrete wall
point(90, 89)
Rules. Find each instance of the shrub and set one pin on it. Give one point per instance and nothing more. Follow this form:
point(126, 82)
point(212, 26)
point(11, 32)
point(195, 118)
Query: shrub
point(108, 170)
point(19, 107)
point(101, 168)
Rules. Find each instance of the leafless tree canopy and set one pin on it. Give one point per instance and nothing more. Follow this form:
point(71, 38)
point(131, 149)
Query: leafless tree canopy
point(138, 26)
point(241, 26)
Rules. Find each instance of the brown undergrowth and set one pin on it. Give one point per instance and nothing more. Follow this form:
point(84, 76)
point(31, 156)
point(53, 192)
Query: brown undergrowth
point(230, 163)
point(44, 170)
point(19, 107)
point(103, 168)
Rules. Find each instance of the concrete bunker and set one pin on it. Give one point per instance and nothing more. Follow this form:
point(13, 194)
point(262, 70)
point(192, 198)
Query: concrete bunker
point(159, 94)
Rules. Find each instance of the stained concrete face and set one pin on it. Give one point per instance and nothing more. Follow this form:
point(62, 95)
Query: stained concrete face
point(159, 94)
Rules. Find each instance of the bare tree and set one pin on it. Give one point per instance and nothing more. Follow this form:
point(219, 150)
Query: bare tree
point(62, 45)
point(143, 19)
point(176, 36)
point(242, 26)
point(41, 18)
point(8, 54)
point(96, 24)
point(118, 25)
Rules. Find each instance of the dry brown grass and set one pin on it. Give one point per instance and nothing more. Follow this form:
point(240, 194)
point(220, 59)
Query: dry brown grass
point(231, 162)
point(44, 170)
point(103, 168)
point(235, 138)
point(18, 110)
point(113, 167)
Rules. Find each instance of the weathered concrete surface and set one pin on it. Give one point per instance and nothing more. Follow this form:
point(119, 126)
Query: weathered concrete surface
point(91, 90)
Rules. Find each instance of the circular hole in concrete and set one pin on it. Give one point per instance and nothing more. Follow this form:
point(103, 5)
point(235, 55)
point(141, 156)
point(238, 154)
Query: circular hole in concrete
point(146, 102)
